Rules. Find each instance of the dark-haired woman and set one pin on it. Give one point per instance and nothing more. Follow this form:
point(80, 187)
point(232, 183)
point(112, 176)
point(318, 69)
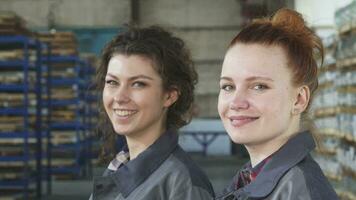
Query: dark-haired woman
point(147, 81)
point(267, 82)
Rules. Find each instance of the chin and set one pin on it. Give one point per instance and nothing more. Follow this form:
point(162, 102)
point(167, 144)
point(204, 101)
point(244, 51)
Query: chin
point(240, 136)
point(121, 131)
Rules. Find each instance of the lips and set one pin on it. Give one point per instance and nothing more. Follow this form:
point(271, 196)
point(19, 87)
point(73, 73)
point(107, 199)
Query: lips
point(124, 112)
point(239, 121)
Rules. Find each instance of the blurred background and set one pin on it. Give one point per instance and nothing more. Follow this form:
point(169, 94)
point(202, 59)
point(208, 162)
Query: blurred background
point(49, 50)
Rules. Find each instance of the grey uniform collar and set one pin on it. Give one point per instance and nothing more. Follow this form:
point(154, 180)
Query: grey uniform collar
point(290, 154)
point(131, 175)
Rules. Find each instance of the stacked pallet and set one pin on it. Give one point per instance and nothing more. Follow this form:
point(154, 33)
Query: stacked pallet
point(67, 132)
point(91, 97)
point(12, 24)
point(336, 115)
point(62, 43)
point(325, 109)
point(18, 116)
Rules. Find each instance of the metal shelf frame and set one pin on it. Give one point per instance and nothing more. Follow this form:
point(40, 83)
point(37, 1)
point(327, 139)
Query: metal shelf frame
point(26, 66)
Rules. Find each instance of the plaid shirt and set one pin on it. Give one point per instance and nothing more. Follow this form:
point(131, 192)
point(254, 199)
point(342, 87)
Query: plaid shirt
point(121, 158)
point(248, 173)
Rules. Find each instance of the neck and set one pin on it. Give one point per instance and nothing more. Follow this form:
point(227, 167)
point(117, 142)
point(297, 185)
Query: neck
point(259, 152)
point(138, 144)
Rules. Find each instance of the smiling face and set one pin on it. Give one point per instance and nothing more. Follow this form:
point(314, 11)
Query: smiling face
point(256, 95)
point(133, 96)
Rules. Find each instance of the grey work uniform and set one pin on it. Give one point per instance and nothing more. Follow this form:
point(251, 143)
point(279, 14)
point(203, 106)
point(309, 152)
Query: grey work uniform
point(161, 172)
point(290, 174)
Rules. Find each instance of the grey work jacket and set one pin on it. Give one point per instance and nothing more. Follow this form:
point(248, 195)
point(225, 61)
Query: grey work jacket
point(290, 174)
point(162, 172)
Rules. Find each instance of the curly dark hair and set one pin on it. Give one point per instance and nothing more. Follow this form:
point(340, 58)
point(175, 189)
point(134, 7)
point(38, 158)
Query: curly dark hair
point(172, 61)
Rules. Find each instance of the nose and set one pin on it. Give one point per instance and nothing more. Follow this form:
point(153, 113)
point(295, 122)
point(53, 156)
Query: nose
point(122, 95)
point(239, 101)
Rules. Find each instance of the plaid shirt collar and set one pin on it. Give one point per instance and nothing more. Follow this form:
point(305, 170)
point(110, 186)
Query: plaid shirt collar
point(248, 173)
point(120, 159)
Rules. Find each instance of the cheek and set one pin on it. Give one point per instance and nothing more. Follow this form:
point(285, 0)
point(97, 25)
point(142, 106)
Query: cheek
point(277, 107)
point(106, 98)
point(222, 104)
point(147, 99)
point(268, 104)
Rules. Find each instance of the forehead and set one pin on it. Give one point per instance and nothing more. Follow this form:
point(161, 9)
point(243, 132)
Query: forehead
point(131, 64)
point(255, 60)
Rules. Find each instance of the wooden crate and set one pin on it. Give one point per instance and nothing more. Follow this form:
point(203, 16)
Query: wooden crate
point(62, 43)
point(12, 24)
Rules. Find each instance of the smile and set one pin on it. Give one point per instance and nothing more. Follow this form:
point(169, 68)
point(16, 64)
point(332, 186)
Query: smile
point(124, 113)
point(239, 121)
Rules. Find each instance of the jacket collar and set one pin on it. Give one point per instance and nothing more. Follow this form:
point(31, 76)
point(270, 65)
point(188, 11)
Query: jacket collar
point(131, 175)
point(290, 154)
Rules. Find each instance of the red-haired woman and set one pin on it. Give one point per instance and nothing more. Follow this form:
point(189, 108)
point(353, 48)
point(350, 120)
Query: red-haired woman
point(267, 82)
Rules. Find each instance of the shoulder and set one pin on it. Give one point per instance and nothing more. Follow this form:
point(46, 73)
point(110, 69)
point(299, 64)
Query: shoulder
point(317, 183)
point(183, 170)
point(305, 180)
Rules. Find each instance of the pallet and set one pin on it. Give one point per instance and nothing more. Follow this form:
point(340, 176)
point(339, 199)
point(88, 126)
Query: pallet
point(347, 89)
point(62, 43)
point(334, 177)
point(10, 176)
point(330, 133)
point(327, 152)
point(15, 30)
point(17, 120)
point(48, 36)
point(16, 97)
point(16, 141)
point(62, 162)
point(63, 74)
point(346, 63)
point(62, 115)
point(347, 29)
point(16, 77)
point(64, 52)
point(332, 111)
point(63, 93)
point(10, 127)
point(346, 195)
point(12, 24)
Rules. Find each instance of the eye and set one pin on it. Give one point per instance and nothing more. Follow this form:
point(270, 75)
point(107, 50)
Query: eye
point(260, 87)
point(227, 87)
point(111, 82)
point(138, 84)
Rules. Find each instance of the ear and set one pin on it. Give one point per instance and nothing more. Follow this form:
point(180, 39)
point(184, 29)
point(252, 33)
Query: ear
point(302, 100)
point(171, 97)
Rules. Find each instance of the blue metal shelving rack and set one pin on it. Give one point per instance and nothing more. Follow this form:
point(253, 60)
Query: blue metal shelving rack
point(91, 98)
point(28, 130)
point(46, 110)
point(75, 148)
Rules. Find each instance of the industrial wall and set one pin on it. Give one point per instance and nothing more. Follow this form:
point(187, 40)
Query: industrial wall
point(206, 26)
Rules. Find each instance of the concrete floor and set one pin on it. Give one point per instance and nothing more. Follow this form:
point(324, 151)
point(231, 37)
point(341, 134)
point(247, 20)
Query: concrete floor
point(219, 169)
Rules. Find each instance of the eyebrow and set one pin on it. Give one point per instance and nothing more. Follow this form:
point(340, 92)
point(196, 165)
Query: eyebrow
point(252, 78)
point(133, 77)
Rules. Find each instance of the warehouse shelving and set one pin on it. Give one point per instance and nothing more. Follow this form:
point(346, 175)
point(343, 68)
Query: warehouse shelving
point(90, 97)
point(21, 112)
point(67, 126)
point(335, 113)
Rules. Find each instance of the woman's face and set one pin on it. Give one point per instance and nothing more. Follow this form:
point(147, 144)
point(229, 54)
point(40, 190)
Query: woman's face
point(256, 94)
point(133, 96)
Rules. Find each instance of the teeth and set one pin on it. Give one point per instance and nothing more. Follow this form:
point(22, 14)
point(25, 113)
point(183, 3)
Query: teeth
point(124, 113)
